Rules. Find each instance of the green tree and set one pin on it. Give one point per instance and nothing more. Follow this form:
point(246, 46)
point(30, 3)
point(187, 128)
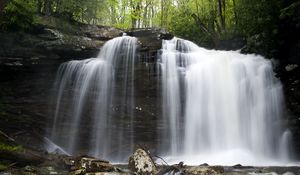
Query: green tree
point(17, 14)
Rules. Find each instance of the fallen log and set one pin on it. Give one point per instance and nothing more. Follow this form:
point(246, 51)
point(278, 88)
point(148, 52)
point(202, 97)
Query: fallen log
point(23, 156)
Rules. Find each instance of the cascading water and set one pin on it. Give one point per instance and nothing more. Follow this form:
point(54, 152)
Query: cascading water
point(220, 107)
point(88, 92)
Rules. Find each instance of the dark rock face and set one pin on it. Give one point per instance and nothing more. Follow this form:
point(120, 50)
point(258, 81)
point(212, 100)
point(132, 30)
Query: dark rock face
point(28, 66)
point(150, 42)
point(290, 78)
point(46, 44)
point(288, 53)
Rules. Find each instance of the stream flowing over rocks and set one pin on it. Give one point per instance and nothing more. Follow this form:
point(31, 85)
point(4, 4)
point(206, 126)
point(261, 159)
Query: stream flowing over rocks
point(29, 62)
point(141, 162)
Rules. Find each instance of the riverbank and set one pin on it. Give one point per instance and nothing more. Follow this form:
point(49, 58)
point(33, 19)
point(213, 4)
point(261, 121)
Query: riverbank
point(32, 162)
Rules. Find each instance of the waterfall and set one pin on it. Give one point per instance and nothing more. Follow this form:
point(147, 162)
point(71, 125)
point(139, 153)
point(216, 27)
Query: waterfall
point(89, 93)
point(220, 107)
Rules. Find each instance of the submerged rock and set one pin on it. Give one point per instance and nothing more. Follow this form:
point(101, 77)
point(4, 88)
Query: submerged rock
point(204, 170)
point(140, 162)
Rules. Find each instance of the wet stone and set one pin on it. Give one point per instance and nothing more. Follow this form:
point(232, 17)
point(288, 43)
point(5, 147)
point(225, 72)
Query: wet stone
point(141, 163)
point(96, 165)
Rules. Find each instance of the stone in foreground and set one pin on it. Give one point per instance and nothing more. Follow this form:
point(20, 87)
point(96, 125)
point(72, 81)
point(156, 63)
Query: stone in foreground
point(96, 165)
point(140, 162)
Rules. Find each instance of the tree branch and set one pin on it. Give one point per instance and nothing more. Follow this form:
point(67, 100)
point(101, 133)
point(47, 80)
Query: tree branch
point(201, 24)
point(207, 30)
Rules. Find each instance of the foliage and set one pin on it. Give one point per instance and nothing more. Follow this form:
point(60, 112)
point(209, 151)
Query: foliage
point(202, 21)
point(184, 26)
point(17, 14)
point(7, 147)
point(3, 167)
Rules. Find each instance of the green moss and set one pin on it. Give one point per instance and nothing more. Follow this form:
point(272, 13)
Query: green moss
point(3, 167)
point(7, 147)
point(57, 23)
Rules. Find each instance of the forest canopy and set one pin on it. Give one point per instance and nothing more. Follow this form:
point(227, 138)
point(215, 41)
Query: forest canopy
point(202, 21)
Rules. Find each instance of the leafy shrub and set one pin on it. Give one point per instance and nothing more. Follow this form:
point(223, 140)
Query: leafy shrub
point(17, 15)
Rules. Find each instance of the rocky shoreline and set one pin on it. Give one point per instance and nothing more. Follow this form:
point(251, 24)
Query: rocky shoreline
point(19, 160)
point(140, 162)
point(16, 159)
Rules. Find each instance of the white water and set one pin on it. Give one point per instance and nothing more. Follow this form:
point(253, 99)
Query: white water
point(85, 89)
point(221, 107)
point(53, 148)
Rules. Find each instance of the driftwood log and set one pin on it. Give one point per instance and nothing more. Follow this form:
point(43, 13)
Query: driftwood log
point(23, 157)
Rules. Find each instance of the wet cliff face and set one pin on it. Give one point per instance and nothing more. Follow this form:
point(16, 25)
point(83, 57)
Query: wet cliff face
point(28, 67)
point(290, 78)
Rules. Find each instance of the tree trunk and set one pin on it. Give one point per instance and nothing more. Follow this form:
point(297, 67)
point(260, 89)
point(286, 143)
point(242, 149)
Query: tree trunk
point(123, 14)
point(138, 13)
point(201, 24)
point(112, 15)
point(235, 13)
point(39, 6)
point(220, 7)
point(23, 157)
point(48, 7)
point(152, 16)
point(224, 14)
point(161, 12)
point(82, 14)
point(145, 16)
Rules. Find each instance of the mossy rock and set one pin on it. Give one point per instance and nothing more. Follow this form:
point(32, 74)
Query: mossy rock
point(3, 166)
point(12, 148)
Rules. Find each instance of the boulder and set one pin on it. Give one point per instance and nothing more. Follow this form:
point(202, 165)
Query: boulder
point(140, 162)
point(101, 32)
point(96, 165)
